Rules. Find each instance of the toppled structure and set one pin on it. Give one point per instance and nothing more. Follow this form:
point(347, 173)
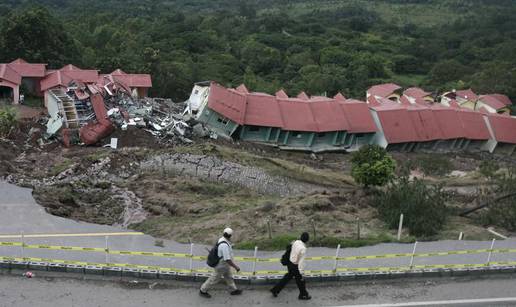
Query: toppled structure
point(399, 120)
point(86, 107)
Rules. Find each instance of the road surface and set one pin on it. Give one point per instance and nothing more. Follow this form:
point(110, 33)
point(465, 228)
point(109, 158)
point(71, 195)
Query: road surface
point(47, 291)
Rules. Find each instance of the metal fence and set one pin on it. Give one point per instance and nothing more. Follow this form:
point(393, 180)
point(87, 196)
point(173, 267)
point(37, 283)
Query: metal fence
point(255, 266)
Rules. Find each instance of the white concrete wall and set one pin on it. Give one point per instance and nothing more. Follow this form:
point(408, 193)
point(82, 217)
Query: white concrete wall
point(490, 145)
point(379, 138)
point(198, 98)
point(480, 104)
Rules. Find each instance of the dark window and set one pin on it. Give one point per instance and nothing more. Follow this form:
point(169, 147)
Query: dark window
point(254, 128)
point(297, 134)
point(321, 135)
point(222, 120)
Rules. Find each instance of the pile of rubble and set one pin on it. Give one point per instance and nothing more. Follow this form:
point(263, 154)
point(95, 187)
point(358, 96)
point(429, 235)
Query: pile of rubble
point(97, 110)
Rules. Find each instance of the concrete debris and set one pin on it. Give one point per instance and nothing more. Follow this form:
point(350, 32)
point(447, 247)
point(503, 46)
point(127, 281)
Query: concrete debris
point(93, 112)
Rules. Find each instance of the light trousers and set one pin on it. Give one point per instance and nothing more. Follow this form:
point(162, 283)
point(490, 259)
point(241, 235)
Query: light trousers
point(221, 272)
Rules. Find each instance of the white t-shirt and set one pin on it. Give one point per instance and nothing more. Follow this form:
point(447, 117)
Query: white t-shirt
point(225, 251)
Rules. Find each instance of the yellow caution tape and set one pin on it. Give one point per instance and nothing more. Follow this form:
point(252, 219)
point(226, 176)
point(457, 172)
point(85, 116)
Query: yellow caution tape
point(250, 259)
point(263, 272)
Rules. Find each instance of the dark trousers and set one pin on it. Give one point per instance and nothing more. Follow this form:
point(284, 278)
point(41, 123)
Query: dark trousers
point(293, 272)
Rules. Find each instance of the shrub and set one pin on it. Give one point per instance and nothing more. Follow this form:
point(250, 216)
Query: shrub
point(423, 207)
point(7, 121)
point(503, 212)
point(372, 166)
point(431, 165)
point(488, 168)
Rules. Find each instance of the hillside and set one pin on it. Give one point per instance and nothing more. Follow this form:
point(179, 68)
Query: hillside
point(317, 46)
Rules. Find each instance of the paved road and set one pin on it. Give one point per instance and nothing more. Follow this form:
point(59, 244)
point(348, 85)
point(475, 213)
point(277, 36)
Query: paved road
point(46, 291)
point(20, 213)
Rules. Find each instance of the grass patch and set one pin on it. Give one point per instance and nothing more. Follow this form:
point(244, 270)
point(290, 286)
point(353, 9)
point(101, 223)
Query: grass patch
point(280, 242)
point(61, 167)
point(431, 164)
point(97, 156)
point(33, 102)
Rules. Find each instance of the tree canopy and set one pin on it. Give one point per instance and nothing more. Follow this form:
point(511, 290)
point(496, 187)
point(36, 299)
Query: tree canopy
point(316, 46)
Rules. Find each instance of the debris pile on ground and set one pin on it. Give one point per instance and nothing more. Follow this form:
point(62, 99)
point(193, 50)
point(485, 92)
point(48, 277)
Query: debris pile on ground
point(88, 113)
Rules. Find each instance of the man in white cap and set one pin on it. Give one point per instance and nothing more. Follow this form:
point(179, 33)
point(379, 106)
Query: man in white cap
point(223, 269)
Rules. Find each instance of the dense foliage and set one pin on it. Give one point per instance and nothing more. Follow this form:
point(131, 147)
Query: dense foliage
point(423, 206)
point(372, 166)
point(7, 120)
point(321, 46)
point(501, 213)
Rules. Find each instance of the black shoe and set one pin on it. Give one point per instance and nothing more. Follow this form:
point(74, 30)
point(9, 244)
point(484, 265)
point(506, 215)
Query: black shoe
point(275, 294)
point(305, 297)
point(236, 292)
point(204, 294)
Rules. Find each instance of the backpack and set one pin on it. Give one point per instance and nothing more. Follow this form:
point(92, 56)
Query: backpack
point(285, 259)
point(213, 255)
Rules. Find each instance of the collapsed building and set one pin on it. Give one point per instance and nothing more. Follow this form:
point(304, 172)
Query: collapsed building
point(302, 123)
point(85, 106)
point(398, 120)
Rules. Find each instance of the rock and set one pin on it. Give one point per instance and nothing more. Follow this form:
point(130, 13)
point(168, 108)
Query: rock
point(200, 131)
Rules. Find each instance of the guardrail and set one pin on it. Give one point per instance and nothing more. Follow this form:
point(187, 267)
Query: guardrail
point(191, 270)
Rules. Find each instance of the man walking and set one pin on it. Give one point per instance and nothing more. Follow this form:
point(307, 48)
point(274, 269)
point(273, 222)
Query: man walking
point(223, 269)
point(295, 266)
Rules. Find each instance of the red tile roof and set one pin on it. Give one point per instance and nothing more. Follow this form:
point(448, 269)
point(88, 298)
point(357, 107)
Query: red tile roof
point(118, 72)
point(416, 92)
point(339, 97)
point(303, 96)
point(358, 115)
point(475, 127)
point(69, 67)
point(297, 115)
point(281, 94)
point(329, 116)
point(262, 110)
point(9, 74)
point(449, 122)
point(242, 89)
point(227, 102)
point(467, 94)
point(492, 101)
point(504, 128)
point(503, 98)
point(57, 78)
point(27, 69)
point(425, 123)
point(135, 80)
point(396, 123)
point(383, 90)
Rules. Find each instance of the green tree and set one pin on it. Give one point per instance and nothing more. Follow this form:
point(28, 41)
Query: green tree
point(423, 207)
point(7, 121)
point(372, 166)
point(37, 36)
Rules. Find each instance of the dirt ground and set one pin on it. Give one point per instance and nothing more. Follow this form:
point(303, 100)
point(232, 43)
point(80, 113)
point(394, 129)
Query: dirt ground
point(105, 186)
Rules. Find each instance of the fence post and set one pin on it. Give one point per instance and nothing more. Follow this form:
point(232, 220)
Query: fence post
point(107, 250)
point(191, 258)
point(22, 245)
point(358, 228)
point(461, 235)
point(269, 230)
point(335, 266)
point(255, 259)
point(400, 226)
point(413, 253)
point(490, 252)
